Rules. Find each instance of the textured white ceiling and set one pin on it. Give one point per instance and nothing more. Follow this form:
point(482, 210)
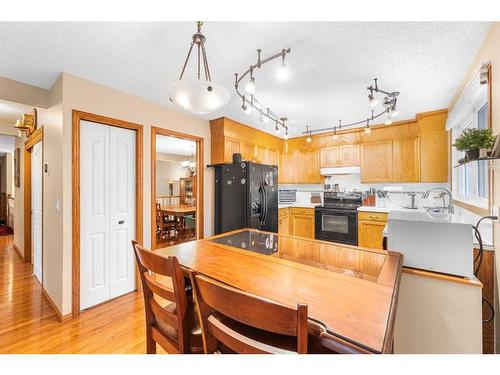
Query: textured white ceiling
point(330, 64)
point(175, 146)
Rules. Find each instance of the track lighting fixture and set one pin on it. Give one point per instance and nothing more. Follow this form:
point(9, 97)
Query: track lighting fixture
point(277, 129)
point(250, 86)
point(335, 136)
point(308, 139)
point(283, 72)
point(266, 117)
point(373, 100)
point(367, 129)
point(248, 109)
point(265, 114)
point(286, 133)
point(390, 108)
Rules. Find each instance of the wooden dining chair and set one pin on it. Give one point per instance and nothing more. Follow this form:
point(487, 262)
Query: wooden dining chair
point(234, 321)
point(174, 324)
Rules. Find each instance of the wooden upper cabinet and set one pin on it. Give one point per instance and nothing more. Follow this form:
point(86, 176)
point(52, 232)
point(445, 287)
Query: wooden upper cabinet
point(348, 155)
point(228, 137)
point(329, 157)
point(433, 146)
point(247, 151)
point(260, 155)
point(339, 156)
point(272, 156)
point(406, 160)
point(306, 166)
point(231, 146)
point(376, 161)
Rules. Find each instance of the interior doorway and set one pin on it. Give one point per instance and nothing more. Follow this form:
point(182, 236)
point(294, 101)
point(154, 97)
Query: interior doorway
point(37, 210)
point(176, 187)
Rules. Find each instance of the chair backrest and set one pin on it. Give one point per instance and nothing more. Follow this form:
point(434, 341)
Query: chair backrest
point(148, 263)
point(215, 298)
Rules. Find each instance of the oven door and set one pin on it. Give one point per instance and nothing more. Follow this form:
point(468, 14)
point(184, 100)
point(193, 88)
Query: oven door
point(336, 225)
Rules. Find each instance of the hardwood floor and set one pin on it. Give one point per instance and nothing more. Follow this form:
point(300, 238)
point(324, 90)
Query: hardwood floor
point(28, 324)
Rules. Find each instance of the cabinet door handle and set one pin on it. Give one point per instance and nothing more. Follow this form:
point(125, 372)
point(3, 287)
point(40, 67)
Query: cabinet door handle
point(121, 222)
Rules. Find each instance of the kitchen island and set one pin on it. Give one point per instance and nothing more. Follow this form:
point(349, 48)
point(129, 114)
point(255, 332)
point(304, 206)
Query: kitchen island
point(353, 291)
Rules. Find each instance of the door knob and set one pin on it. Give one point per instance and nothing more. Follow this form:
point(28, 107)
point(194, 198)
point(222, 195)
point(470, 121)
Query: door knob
point(121, 222)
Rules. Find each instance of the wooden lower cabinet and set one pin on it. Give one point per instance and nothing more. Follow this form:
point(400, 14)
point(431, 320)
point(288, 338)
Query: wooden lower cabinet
point(370, 229)
point(302, 222)
point(284, 221)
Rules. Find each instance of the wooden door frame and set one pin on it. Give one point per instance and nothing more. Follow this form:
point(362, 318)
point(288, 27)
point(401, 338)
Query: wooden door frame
point(35, 137)
point(77, 117)
point(200, 158)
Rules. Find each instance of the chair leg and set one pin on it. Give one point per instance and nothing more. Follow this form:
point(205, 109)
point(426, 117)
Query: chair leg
point(150, 343)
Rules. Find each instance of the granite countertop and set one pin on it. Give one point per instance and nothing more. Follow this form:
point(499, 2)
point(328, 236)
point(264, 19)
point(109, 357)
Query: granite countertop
point(373, 209)
point(298, 205)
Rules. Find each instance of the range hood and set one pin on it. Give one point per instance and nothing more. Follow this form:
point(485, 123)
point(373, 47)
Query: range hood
point(339, 170)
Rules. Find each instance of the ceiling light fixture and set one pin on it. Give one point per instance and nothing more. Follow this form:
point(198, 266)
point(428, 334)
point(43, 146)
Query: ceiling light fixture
point(367, 129)
point(390, 108)
point(266, 118)
point(264, 112)
point(199, 96)
point(335, 136)
point(283, 72)
point(27, 123)
point(250, 86)
point(308, 139)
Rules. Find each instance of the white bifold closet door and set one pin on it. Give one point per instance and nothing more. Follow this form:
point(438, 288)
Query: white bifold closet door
point(36, 209)
point(107, 212)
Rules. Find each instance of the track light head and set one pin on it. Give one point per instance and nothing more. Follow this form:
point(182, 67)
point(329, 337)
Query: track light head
point(250, 86)
point(373, 100)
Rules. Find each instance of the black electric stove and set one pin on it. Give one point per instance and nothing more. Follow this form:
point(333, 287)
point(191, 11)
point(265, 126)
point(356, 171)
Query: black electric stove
point(337, 219)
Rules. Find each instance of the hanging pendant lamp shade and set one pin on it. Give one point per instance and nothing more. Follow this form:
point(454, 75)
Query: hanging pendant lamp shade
point(198, 96)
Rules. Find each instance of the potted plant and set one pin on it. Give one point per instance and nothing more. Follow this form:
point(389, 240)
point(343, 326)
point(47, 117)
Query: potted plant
point(473, 140)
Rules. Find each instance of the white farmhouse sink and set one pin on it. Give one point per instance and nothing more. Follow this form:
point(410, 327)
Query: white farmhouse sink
point(440, 244)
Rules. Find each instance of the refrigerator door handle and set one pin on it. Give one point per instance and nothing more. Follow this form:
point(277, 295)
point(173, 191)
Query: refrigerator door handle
point(265, 205)
point(262, 192)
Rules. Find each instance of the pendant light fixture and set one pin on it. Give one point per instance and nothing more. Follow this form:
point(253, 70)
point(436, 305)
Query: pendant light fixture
point(198, 96)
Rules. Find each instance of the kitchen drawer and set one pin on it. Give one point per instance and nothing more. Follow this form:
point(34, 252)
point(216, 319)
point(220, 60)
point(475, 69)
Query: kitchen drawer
point(283, 211)
point(373, 216)
point(302, 211)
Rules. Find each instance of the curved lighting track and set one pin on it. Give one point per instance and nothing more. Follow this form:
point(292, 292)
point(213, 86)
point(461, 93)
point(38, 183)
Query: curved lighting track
point(251, 100)
point(389, 103)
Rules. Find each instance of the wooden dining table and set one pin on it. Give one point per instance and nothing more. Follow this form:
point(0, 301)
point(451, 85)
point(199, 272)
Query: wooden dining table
point(179, 210)
point(352, 291)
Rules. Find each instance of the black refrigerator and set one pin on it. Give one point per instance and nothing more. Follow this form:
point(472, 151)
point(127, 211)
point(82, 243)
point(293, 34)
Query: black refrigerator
point(246, 196)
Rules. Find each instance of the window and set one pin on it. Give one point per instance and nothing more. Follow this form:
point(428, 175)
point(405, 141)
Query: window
point(470, 183)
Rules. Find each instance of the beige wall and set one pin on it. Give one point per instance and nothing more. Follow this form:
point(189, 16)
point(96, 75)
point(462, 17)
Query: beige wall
point(490, 51)
point(23, 93)
point(87, 96)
